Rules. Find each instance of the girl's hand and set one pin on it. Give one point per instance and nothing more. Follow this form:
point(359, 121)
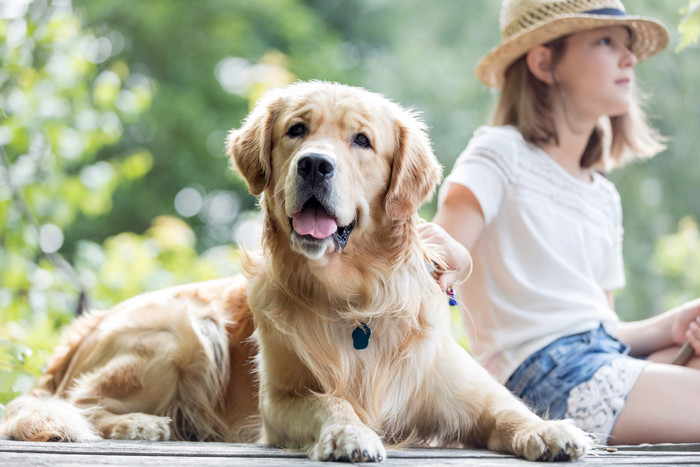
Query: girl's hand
point(686, 325)
point(456, 258)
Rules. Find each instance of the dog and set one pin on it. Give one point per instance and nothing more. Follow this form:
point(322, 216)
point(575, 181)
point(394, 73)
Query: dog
point(336, 339)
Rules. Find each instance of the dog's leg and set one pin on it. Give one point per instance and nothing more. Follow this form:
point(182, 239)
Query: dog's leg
point(514, 428)
point(327, 427)
point(496, 419)
point(50, 418)
point(42, 417)
point(297, 415)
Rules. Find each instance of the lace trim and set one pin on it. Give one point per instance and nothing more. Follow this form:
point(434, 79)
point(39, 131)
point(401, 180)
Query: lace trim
point(595, 405)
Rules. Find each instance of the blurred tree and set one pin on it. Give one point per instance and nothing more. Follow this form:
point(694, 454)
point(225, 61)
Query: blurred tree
point(675, 258)
point(61, 107)
point(689, 27)
point(209, 60)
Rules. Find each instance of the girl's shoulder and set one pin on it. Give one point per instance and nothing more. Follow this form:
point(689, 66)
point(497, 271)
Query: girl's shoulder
point(498, 136)
point(503, 145)
point(607, 188)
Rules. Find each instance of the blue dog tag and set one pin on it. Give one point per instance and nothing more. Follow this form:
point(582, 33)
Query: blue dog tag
point(360, 337)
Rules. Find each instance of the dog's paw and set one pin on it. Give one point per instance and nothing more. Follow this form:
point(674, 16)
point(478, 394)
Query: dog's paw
point(555, 440)
point(348, 442)
point(138, 426)
point(32, 418)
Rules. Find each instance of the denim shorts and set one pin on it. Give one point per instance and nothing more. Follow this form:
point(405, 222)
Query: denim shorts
point(585, 377)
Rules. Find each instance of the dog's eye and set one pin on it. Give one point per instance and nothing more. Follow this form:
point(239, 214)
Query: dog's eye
point(362, 140)
point(297, 130)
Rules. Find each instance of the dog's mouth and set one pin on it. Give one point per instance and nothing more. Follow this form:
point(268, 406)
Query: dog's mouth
point(314, 220)
point(314, 223)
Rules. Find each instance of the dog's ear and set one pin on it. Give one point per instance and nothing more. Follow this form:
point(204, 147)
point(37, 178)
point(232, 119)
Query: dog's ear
point(250, 147)
point(415, 171)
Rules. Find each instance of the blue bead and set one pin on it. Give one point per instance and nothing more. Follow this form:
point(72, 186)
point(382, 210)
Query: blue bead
point(453, 302)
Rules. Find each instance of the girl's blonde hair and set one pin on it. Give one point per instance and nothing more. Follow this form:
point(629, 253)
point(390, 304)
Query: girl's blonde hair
point(526, 103)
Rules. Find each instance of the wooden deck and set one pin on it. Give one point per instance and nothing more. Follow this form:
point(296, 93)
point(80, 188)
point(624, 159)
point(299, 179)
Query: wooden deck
point(144, 453)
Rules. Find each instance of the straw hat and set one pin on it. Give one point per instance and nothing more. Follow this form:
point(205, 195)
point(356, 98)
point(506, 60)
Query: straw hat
point(527, 23)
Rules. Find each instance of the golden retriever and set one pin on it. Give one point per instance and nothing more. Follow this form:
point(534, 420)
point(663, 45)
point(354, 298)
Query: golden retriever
point(337, 341)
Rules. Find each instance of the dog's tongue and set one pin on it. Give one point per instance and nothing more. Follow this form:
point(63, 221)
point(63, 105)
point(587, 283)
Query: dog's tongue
point(314, 221)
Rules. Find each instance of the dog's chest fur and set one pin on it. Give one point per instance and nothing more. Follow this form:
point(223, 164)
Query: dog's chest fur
point(313, 336)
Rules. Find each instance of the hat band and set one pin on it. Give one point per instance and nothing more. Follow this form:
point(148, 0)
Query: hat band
point(606, 11)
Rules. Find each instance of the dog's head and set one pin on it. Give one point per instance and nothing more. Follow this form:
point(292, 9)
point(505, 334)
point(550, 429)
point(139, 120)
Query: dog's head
point(332, 160)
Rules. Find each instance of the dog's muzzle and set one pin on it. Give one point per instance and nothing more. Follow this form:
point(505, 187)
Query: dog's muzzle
point(314, 221)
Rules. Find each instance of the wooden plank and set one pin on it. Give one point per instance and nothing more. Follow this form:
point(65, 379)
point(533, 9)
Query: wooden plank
point(111, 452)
point(71, 460)
point(686, 447)
point(148, 448)
point(117, 447)
point(190, 449)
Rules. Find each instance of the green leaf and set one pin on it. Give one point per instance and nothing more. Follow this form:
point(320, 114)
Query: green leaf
point(689, 27)
point(137, 164)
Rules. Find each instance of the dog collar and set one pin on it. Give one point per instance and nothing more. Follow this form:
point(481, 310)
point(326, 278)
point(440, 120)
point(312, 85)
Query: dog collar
point(360, 336)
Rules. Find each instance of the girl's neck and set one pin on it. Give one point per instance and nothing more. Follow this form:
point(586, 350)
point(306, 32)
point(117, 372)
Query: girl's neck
point(573, 139)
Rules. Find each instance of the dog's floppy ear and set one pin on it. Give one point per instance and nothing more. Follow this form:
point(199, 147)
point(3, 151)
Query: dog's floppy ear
point(250, 147)
point(415, 171)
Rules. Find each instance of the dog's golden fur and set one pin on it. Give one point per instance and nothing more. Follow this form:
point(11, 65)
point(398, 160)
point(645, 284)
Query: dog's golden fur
point(157, 366)
point(342, 173)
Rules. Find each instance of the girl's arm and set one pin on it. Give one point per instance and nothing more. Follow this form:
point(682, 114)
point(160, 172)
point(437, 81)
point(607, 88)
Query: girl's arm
point(460, 216)
point(672, 328)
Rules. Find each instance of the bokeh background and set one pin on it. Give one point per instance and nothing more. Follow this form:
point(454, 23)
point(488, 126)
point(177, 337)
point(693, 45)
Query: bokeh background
point(113, 178)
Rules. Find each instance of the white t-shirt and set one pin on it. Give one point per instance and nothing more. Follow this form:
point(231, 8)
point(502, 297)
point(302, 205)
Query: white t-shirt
point(550, 248)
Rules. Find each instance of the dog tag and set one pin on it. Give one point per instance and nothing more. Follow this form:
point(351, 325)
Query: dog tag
point(360, 337)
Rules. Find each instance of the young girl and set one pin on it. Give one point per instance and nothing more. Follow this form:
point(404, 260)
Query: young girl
point(545, 227)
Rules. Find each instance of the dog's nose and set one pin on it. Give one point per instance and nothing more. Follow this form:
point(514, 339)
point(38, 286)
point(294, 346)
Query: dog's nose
point(315, 167)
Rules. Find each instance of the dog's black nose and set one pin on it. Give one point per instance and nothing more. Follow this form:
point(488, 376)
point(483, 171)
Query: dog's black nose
point(315, 167)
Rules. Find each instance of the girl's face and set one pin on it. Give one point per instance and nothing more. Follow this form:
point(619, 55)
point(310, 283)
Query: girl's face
point(596, 72)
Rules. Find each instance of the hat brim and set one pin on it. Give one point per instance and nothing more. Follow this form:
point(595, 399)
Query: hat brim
point(648, 38)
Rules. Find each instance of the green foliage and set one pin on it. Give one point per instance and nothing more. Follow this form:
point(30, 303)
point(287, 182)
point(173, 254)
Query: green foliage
point(23, 353)
point(61, 107)
point(675, 258)
point(209, 60)
point(128, 264)
point(689, 26)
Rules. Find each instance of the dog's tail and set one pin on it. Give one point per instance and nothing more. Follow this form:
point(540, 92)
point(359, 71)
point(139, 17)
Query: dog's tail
point(40, 416)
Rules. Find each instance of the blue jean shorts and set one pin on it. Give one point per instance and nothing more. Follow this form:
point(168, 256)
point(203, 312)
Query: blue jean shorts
point(585, 377)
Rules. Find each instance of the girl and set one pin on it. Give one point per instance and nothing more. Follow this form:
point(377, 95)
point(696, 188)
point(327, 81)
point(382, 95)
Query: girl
point(545, 228)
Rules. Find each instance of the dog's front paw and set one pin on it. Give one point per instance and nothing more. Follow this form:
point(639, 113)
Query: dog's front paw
point(556, 440)
point(348, 442)
point(138, 426)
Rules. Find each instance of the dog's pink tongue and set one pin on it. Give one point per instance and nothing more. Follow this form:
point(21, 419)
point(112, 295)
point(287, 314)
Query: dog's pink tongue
point(314, 221)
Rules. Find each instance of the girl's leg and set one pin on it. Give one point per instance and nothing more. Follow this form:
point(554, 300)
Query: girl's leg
point(663, 407)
